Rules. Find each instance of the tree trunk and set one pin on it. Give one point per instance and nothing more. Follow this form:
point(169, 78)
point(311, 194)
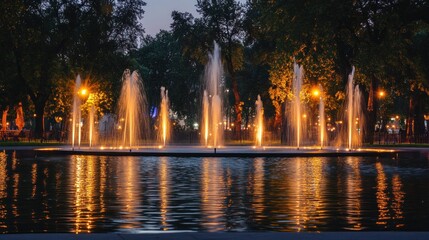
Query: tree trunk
point(371, 112)
point(40, 114)
point(284, 125)
point(238, 106)
point(419, 125)
point(410, 120)
point(238, 109)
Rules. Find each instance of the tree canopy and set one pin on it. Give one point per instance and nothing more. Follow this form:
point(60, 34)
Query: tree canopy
point(50, 40)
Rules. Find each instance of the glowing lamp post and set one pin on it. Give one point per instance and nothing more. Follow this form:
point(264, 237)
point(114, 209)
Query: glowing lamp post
point(316, 92)
point(380, 94)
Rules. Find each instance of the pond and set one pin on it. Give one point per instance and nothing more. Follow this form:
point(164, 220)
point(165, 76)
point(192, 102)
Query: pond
point(81, 194)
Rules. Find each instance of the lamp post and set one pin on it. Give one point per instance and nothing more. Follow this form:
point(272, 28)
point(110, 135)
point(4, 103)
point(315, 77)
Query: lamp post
point(317, 92)
point(381, 94)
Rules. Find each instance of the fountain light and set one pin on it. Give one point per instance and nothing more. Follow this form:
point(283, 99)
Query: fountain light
point(259, 121)
point(83, 92)
point(316, 92)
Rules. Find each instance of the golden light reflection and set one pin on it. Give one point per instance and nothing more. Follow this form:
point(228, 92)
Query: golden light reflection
point(381, 195)
point(212, 197)
point(129, 191)
point(258, 203)
point(103, 183)
point(85, 181)
point(164, 191)
point(3, 187)
point(354, 194)
point(15, 184)
point(398, 199)
point(34, 179)
point(389, 207)
point(308, 190)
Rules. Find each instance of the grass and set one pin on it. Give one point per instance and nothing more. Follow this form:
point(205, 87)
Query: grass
point(31, 143)
point(415, 145)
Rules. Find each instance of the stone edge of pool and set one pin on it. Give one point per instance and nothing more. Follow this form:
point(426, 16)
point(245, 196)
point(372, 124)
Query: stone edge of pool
point(225, 152)
point(180, 151)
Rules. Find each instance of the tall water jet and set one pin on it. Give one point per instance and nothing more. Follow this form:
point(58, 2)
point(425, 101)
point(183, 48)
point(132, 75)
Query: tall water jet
point(91, 123)
point(133, 116)
point(164, 119)
point(259, 121)
point(205, 118)
point(212, 101)
point(354, 113)
point(76, 114)
point(298, 73)
point(322, 121)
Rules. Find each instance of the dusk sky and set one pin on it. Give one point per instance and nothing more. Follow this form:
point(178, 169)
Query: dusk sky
point(158, 13)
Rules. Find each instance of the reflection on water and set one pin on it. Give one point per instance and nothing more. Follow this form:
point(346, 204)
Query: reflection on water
point(257, 182)
point(164, 183)
point(353, 193)
point(83, 194)
point(390, 199)
point(212, 195)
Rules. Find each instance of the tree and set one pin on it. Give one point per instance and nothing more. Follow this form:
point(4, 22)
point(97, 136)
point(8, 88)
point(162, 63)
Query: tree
point(221, 21)
point(161, 63)
point(328, 38)
point(50, 40)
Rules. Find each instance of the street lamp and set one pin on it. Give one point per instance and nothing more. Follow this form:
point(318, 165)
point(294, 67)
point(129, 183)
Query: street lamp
point(380, 94)
point(317, 93)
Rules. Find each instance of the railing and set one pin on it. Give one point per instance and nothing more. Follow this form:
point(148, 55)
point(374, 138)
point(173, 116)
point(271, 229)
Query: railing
point(15, 135)
point(397, 138)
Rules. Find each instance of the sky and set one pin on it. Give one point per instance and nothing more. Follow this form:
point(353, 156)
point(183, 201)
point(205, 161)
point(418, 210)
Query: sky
point(158, 13)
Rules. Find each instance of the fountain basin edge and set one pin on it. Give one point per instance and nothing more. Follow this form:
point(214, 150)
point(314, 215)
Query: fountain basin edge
point(241, 152)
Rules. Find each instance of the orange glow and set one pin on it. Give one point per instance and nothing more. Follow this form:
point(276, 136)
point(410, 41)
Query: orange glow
point(164, 118)
point(316, 92)
point(83, 92)
point(164, 191)
point(354, 193)
point(212, 195)
point(382, 196)
point(258, 188)
point(381, 94)
point(259, 122)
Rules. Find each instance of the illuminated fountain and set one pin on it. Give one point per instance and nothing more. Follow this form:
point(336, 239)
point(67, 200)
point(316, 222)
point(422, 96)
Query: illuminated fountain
point(91, 123)
point(212, 132)
point(322, 122)
point(76, 128)
point(164, 128)
point(355, 119)
point(296, 108)
point(259, 121)
point(133, 117)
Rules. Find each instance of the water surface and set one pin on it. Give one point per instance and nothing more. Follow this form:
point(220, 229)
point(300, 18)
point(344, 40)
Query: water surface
point(138, 194)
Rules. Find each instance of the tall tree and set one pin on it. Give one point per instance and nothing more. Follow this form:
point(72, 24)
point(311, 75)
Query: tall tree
point(220, 21)
point(53, 39)
point(161, 63)
point(328, 38)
